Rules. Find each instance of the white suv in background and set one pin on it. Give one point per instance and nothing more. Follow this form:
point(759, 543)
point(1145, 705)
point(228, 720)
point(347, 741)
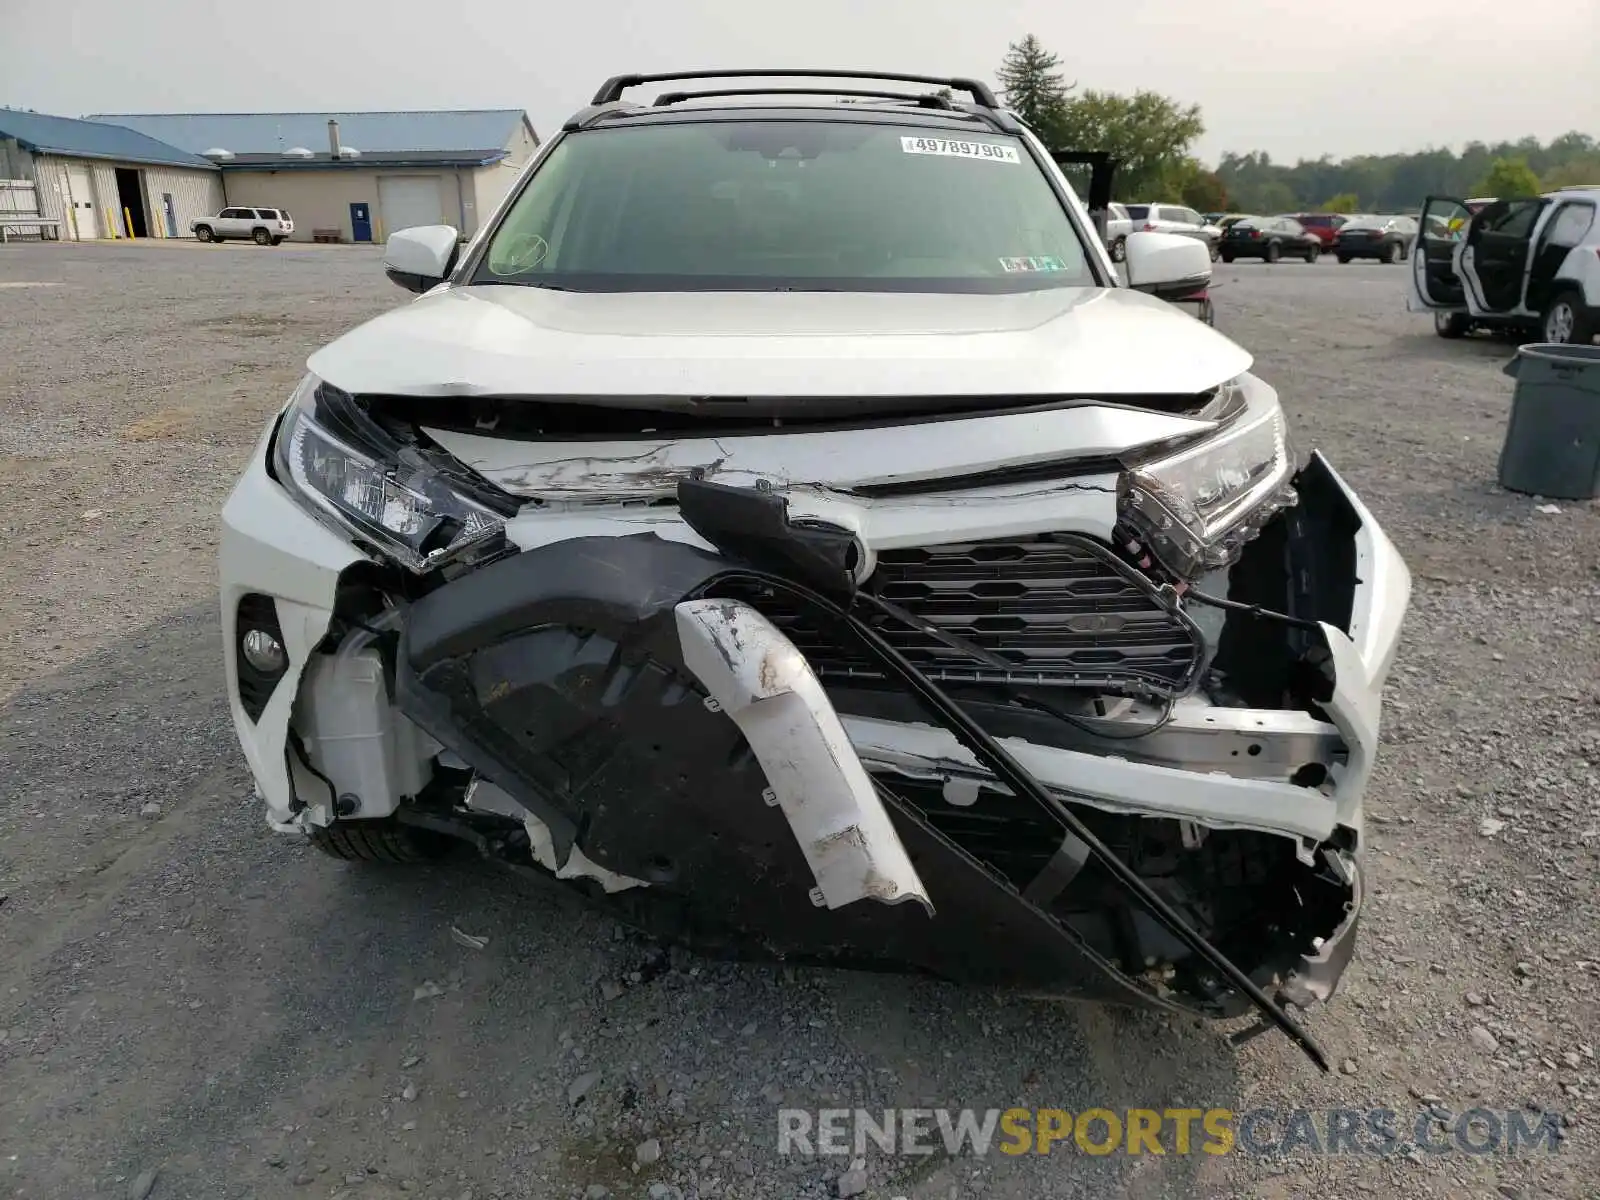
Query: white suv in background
point(1531, 264)
point(1174, 218)
point(263, 226)
point(1118, 226)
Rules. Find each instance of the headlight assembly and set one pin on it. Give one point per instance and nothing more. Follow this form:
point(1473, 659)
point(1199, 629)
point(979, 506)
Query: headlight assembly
point(417, 506)
point(1198, 506)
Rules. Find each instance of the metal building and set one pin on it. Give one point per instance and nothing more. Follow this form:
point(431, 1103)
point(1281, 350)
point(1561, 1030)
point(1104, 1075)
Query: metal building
point(356, 176)
point(102, 181)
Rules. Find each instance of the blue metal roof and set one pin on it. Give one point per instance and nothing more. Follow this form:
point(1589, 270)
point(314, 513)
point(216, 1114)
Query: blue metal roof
point(91, 139)
point(369, 132)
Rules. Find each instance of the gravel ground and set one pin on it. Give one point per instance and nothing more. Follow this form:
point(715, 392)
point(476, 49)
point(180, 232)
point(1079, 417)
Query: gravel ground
point(191, 1006)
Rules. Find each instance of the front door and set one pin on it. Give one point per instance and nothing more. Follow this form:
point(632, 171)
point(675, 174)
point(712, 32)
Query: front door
point(1435, 270)
point(360, 223)
point(80, 202)
point(1499, 245)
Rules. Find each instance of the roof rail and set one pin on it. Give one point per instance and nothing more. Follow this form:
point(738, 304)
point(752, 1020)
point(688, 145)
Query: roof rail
point(613, 88)
point(926, 100)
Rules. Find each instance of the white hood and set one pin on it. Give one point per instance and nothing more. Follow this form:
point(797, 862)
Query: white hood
point(509, 341)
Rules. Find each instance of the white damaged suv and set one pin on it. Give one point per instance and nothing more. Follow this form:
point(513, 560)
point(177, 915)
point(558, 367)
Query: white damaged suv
point(509, 569)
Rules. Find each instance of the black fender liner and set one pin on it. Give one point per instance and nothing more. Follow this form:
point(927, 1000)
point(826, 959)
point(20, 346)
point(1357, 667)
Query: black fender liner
point(621, 588)
point(557, 674)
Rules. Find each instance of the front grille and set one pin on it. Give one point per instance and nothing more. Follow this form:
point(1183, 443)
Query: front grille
point(1061, 610)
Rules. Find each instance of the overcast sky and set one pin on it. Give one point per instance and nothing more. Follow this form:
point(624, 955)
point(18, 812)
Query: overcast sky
point(1296, 80)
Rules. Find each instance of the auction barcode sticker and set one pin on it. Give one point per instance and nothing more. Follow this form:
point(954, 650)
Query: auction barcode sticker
point(985, 151)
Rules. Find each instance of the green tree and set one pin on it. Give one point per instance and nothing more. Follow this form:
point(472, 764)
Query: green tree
point(1577, 172)
point(1148, 134)
point(1509, 178)
point(1344, 202)
point(1031, 82)
point(1186, 181)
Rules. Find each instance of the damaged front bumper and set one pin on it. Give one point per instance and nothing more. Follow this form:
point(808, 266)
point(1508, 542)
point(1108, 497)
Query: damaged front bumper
point(594, 706)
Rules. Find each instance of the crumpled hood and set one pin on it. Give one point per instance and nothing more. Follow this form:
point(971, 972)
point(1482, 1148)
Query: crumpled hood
point(507, 341)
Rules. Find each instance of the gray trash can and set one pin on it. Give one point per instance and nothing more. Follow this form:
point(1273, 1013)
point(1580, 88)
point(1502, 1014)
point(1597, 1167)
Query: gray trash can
point(1552, 445)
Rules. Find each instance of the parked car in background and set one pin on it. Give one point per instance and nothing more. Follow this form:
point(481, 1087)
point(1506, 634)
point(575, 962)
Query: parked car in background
point(1223, 220)
point(1174, 218)
point(1269, 239)
point(1387, 239)
point(263, 226)
point(1323, 226)
point(1118, 226)
point(1531, 264)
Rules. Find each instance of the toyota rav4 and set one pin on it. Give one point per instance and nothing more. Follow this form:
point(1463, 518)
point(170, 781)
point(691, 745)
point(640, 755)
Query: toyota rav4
point(779, 523)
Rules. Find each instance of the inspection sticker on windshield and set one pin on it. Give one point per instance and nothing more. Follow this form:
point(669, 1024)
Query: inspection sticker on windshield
point(986, 151)
point(1033, 262)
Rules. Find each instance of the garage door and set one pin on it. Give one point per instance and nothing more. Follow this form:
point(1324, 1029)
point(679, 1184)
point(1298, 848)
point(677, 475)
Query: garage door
point(408, 200)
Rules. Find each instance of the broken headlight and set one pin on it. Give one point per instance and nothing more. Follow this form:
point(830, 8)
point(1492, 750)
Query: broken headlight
point(415, 505)
point(1196, 507)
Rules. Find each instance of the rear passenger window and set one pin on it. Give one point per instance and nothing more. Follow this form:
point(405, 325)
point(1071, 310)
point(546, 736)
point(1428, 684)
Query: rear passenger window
point(267, 214)
point(1571, 225)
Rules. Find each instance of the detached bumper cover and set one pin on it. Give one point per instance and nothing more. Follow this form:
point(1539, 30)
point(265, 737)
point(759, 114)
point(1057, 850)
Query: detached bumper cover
point(576, 679)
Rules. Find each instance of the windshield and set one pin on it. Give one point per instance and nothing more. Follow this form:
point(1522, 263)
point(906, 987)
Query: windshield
point(781, 205)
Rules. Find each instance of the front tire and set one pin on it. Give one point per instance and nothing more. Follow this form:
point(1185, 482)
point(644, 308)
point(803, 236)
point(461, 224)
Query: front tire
point(261, 237)
point(1227, 256)
point(1566, 320)
point(1274, 252)
point(1392, 254)
point(1314, 253)
point(1452, 325)
point(1119, 250)
point(381, 841)
point(204, 234)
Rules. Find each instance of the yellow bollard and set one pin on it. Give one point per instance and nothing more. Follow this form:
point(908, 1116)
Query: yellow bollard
point(127, 218)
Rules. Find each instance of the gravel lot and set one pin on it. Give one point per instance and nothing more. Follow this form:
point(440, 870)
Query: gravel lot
point(183, 992)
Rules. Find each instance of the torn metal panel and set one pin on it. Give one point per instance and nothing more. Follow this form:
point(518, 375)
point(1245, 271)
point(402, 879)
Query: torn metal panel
point(1082, 504)
point(837, 459)
point(1115, 785)
point(764, 685)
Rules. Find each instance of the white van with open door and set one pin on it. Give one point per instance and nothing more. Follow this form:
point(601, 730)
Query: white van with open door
point(1530, 263)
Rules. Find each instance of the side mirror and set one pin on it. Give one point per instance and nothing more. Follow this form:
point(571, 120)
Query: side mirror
point(1167, 265)
point(420, 258)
